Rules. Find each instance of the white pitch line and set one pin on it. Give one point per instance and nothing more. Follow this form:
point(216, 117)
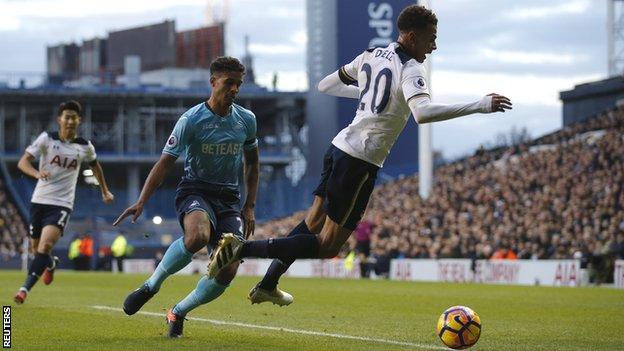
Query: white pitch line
point(288, 330)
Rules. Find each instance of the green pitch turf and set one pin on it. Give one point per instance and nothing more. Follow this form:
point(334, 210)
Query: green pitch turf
point(362, 315)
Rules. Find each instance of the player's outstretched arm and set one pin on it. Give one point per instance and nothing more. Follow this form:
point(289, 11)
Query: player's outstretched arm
point(107, 196)
point(27, 168)
point(333, 85)
point(425, 111)
point(153, 181)
point(252, 167)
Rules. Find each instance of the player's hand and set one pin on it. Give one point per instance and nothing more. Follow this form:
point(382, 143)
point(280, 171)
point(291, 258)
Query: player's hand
point(134, 210)
point(500, 103)
point(108, 197)
point(249, 221)
point(43, 175)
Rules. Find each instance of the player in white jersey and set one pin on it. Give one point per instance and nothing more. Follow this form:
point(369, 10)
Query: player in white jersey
point(391, 83)
point(60, 156)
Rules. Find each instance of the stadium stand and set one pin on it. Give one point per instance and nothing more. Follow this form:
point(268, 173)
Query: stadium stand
point(12, 223)
point(558, 196)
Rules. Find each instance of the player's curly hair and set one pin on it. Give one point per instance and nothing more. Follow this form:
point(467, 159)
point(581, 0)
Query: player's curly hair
point(226, 64)
point(71, 105)
point(415, 17)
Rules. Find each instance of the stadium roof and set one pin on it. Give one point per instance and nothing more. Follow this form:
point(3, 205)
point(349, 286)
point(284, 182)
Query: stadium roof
point(144, 91)
point(601, 87)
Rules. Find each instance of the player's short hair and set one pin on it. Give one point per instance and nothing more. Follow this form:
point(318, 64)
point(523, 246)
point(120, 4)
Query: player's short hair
point(415, 17)
point(226, 64)
point(71, 105)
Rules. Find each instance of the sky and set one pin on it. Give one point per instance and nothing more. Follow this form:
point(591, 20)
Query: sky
point(528, 50)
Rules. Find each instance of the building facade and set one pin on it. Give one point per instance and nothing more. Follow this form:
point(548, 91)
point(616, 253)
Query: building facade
point(197, 48)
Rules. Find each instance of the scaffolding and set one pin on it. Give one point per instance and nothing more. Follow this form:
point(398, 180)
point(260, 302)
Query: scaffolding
point(615, 34)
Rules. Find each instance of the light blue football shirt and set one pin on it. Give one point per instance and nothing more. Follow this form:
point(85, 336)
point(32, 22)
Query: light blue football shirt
point(213, 144)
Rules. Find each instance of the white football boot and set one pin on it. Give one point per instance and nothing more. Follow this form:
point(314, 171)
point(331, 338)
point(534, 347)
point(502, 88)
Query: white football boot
point(277, 296)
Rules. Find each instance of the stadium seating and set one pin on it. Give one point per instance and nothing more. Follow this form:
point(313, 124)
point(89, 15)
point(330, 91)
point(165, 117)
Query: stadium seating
point(12, 224)
point(559, 196)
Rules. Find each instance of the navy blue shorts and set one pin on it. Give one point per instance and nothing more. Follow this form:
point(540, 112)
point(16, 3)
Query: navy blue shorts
point(42, 215)
point(346, 185)
point(223, 210)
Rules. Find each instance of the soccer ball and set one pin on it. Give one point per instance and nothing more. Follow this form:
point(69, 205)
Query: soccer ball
point(459, 327)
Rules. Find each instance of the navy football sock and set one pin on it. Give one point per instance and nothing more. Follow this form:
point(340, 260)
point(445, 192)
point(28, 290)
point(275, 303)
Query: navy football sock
point(301, 228)
point(284, 249)
point(278, 268)
point(37, 266)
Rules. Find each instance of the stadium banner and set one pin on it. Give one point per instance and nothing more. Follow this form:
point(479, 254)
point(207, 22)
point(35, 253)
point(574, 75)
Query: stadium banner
point(300, 269)
point(618, 274)
point(136, 265)
point(516, 272)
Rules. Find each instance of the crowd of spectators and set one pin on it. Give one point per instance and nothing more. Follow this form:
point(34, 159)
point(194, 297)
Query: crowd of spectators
point(559, 196)
point(12, 226)
point(556, 197)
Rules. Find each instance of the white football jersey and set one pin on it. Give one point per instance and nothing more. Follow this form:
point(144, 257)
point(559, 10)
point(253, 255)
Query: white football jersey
point(387, 78)
point(62, 161)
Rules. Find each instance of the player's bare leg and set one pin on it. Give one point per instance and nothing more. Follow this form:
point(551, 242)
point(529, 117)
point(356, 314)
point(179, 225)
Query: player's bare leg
point(178, 255)
point(266, 290)
point(315, 219)
point(197, 230)
point(332, 238)
point(34, 244)
point(49, 236)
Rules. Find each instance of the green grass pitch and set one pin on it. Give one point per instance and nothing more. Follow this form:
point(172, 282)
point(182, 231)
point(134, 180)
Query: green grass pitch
point(362, 315)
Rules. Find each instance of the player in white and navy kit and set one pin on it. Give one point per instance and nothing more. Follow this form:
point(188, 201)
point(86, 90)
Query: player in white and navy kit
point(60, 156)
point(390, 83)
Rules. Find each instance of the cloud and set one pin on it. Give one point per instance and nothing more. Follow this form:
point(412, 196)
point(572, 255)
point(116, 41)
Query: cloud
point(532, 49)
point(566, 8)
point(284, 12)
point(299, 37)
point(578, 37)
point(8, 22)
point(80, 9)
point(462, 136)
point(274, 9)
point(275, 49)
point(287, 80)
point(298, 42)
point(520, 88)
point(532, 58)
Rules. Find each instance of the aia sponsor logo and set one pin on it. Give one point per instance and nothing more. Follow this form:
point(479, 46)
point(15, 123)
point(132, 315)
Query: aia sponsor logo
point(64, 162)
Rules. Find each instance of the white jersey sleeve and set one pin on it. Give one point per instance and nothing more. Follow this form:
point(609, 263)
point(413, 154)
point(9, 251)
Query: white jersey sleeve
point(349, 73)
point(39, 146)
point(414, 80)
point(90, 154)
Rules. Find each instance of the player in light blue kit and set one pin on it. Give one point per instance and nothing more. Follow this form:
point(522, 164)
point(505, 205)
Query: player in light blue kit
point(216, 135)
